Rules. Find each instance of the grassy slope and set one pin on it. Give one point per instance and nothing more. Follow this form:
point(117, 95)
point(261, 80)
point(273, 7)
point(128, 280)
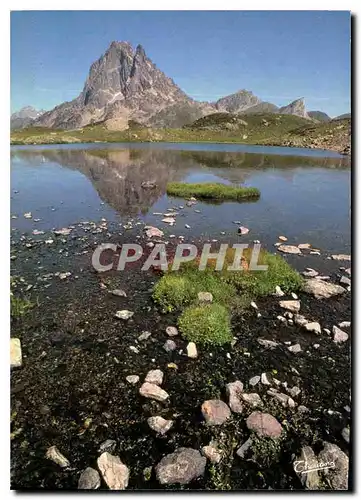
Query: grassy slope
point(265, 128)
point(211, 191)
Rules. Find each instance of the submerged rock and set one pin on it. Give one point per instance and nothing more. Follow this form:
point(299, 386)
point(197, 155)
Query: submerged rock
point(289, 249)
point(215, 412)
point(114, 472)
point(152, 231)
point(264, 424)
point(89, 479)
point(58, 458)
point(243, 230)
point(153, 391)
point(160, 424)
point(181, 467)
point(321, 289)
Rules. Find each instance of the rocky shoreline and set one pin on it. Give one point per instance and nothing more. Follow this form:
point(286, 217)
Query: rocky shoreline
point(114, 402)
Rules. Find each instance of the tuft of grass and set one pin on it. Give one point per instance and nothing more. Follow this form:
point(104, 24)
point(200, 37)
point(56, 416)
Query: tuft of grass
point(208, 324)
point(261, 283)
point(175, 291)
point(215, 191)
point(18, 306)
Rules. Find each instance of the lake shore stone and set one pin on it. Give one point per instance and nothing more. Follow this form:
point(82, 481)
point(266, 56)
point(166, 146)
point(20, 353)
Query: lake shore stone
point(181, 467)
point(160, 424)
point(153, 391)
point(89, 479)
point(113, 471)
point(321, 289)
point(264, 424)
point(154, 377)
point(215, 412)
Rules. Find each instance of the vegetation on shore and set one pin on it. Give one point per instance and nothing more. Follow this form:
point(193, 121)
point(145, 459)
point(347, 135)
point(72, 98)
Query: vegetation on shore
point(263, 129)
point(214, 191)
point(232, 291)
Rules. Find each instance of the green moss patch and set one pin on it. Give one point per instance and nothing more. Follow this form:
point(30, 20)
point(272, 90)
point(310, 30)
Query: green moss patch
point(215, 191)
point(208, 324)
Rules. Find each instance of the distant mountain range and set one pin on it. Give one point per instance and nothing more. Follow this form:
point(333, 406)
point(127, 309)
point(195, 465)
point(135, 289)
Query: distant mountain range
point(124, 84)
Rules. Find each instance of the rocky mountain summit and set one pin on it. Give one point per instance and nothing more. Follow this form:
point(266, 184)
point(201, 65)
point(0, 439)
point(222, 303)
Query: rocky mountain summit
point(24, 117)
point(124, 84)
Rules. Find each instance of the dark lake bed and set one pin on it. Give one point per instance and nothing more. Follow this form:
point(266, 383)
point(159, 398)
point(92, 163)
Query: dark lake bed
point(76, 355)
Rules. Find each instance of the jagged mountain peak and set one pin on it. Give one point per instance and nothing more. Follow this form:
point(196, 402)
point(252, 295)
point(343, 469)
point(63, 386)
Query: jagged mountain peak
point(296, 107)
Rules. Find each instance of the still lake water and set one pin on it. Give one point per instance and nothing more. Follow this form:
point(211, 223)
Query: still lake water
point(305, 194)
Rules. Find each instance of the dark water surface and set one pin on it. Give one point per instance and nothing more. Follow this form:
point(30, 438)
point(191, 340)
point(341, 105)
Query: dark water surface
point(305, 194)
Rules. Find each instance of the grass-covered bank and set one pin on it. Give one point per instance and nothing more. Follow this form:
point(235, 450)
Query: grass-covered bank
point(261, 129)
point(212, 191)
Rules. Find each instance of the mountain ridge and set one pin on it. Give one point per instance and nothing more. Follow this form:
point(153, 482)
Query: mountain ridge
point(124, 84)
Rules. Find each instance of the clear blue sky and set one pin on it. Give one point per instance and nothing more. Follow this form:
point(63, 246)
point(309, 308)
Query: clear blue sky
point(280, 56)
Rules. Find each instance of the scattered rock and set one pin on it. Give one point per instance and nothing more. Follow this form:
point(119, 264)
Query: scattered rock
point(212, 453)
point(181, 467)
point(341, 256)
point(345, 281)
point(243, 230)
point(278, 292)
point(345, 324)
point(316, 346)
point(89, 479)
point(160, 424)
point(253, 399)
point(192, 350)
point(153, 391)
point(313, 327)
point(132, 379)
point(234, 391)
point(269, 344)
point(169, 345)
point(282, 398)
point(295, 391)
point(264, 424)
point(153, 231)
point(169, 220)
point(148, 185)
point(322, 290)
point(108, 445)
point(144, 336)
point(254, 380)
point(134, 349)
point(154, 377)
point(205, 297)
point(307, 460)
point(346, 434)
point(15, 353)
point(336, 477)
point(65, 231)
point(28, 215)
point(291, 305)
point(124, 314)
point(339, 335)
point(300, 320)
point(215, 412)
point(282, 238)
point(311, 273)
point(304, 246)
point(289, 249)
point(171, 331)
point(54, 454)
point(264, 379)
point(302, 409)
point(114, 472)
point(295, 348)
point(244, 448)
point(118, 293)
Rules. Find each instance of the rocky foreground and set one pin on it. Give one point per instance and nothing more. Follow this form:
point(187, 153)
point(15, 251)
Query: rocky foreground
point(105, 393)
